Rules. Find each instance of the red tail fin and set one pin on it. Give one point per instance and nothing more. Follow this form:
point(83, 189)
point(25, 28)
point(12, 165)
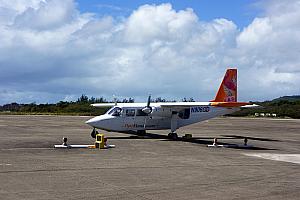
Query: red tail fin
point(228, 88)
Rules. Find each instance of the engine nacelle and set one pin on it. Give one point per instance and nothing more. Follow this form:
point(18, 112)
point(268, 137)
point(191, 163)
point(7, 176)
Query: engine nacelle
point(147, 110)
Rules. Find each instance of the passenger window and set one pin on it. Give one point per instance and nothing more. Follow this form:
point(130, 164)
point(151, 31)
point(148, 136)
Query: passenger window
point(130, 112)
point(184, 114)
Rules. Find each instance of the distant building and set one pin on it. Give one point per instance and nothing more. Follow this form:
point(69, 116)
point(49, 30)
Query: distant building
point(265, 114)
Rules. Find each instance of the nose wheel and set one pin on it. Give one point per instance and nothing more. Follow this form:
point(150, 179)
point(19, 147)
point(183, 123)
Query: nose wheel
point(94, 133)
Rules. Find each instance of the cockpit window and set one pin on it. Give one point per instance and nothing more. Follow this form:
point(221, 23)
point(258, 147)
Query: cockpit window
point(110, 111)
point(115, 111)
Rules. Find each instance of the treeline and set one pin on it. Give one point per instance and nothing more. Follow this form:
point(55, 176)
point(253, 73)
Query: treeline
point(282, 107)
point(80, 107)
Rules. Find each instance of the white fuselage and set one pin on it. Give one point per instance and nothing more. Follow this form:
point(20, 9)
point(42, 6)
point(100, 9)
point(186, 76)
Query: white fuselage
point(132, 119)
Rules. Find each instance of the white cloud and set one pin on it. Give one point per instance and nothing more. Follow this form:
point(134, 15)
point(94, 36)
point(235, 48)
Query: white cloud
point(158, 22)
point(49, 15)
point(271, 46)
point(10, 9)
point(49, 50)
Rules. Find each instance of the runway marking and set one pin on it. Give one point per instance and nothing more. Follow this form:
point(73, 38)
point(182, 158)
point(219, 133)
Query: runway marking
point(13, 149)
point(293, 158)
point(5, 164)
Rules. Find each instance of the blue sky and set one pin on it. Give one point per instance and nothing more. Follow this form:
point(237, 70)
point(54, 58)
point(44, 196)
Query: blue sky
point(242, 12)
point(53, 50)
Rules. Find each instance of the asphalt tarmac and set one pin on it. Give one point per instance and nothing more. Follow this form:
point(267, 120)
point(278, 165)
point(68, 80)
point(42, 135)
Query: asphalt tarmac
point(151, 167)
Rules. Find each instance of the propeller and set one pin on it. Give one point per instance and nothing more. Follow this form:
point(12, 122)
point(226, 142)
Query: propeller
point(148, 108)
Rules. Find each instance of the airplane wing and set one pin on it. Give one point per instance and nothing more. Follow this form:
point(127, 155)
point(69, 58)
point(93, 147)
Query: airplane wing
point(217, 104)
point(177, 106)
point(182, 104)
point(103, 104)
point(122, 104)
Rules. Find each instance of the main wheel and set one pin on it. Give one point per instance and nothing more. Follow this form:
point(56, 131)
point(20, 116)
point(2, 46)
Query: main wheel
point(141, 132)
point(173, 136)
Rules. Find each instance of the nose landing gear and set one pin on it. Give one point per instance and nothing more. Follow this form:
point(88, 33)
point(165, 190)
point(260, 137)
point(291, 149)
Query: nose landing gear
point(94, 133)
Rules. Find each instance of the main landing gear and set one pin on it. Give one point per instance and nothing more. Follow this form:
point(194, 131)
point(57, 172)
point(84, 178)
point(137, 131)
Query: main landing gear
point(141, 132)
point(173, 136)
point(174, 120)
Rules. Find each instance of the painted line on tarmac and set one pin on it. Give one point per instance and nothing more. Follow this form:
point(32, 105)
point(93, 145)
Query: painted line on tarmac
point(15, 149)
point(5, 164)
point(292, 158)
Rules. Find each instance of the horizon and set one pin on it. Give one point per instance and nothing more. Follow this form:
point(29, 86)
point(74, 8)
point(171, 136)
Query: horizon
point(170, 49)
point(119, 100)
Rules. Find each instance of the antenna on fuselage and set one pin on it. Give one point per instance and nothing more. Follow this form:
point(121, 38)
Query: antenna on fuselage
point(115, 100)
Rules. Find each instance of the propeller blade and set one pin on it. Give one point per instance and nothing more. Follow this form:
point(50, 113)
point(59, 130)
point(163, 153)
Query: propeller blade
point(148, 109)
point(148, 102)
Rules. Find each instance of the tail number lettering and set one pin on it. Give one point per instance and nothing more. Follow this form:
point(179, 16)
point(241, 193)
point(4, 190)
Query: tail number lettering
point(200, 109)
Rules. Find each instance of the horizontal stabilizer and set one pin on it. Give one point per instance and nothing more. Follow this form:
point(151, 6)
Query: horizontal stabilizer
point(229, 104)
point(251, 106)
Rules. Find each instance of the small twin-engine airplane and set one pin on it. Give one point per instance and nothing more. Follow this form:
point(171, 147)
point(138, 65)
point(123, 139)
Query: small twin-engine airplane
point(139, 117)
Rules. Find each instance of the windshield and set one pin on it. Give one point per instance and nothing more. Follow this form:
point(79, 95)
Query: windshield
point(116, 111)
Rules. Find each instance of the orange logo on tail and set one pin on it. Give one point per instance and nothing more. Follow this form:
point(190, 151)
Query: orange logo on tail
point(228, 88)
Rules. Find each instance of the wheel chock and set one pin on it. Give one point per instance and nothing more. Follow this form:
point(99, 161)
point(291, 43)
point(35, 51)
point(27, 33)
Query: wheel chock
point(100, 143)
point(187, 136)
point(238, 146)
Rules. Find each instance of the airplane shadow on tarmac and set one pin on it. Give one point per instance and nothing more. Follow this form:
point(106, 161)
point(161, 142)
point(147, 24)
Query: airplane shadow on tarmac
point(251, 138)
point(198, 140)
